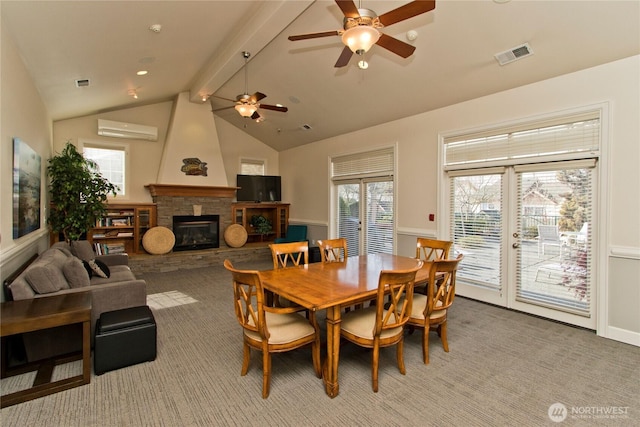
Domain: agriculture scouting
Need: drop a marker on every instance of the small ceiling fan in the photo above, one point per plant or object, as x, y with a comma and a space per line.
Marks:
361, 29
248, 105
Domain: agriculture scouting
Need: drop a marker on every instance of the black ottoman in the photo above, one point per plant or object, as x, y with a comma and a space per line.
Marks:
123, 338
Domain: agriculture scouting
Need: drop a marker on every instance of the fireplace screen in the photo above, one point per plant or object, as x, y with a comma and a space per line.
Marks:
196, 232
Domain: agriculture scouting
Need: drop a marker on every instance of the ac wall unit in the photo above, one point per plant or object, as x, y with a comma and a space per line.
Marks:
127, 130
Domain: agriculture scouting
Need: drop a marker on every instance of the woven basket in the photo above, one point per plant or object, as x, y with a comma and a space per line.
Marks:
158, 240
235, 235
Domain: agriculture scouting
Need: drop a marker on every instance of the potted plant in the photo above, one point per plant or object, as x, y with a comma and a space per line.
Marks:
78, 193
261, 225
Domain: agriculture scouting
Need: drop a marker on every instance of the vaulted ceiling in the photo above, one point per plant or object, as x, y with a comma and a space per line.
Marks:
199, 49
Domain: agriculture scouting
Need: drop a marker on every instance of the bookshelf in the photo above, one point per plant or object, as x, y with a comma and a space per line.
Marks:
122, 228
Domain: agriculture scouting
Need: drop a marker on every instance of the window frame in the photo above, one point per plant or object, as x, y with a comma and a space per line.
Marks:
115, 146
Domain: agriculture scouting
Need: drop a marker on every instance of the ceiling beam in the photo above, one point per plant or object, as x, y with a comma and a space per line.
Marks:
269, 19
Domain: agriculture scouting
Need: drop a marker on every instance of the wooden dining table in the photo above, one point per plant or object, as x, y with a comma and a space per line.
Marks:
333, 286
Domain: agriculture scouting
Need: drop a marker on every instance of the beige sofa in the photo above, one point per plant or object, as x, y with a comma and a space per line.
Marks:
65, 268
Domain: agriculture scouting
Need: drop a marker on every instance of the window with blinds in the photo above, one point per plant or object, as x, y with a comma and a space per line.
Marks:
565, 138
363, 165
557, 273
251, 167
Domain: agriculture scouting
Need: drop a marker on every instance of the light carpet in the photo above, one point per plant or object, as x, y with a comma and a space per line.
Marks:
504, 369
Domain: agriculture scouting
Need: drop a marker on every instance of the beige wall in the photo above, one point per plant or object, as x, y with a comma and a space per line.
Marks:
22, 115
417, 138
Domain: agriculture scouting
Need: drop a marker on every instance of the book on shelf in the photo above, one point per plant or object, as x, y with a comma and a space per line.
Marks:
125, 234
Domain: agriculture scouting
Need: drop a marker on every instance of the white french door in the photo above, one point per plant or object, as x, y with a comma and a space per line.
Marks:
525, 232
369, 226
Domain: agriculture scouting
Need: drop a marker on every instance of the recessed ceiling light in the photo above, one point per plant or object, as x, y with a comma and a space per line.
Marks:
142, 72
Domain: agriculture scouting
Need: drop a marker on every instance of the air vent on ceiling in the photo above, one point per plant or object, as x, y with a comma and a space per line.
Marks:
306, 127
82, 82
514, 54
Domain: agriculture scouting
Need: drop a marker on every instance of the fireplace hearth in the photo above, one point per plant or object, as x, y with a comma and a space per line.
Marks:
196, 232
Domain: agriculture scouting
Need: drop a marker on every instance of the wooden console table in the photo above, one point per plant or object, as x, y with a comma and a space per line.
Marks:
22, 316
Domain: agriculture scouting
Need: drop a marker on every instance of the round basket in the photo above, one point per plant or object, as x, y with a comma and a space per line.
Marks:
158, 240
235, 235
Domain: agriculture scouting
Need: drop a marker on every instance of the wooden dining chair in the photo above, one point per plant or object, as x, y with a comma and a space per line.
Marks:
269, 329
432, 249
429, 250
292, 254
382, 324
333, 250
429, 311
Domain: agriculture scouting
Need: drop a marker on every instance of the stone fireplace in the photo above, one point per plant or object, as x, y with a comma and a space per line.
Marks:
187, 200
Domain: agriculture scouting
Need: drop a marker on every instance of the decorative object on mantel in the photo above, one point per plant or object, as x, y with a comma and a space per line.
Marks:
194, 166
235, 236
158, 240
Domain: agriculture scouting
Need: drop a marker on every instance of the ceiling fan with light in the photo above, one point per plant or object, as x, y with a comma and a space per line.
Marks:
248, 105
361, 29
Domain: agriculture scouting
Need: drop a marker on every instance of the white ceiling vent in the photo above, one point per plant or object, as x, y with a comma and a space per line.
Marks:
514, 54
127, 130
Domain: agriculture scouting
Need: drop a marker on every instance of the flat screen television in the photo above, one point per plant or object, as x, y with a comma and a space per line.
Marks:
258, 188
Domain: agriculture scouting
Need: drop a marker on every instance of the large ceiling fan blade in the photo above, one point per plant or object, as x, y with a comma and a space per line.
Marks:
256, 97
348, 7
396, 46
407, 11
313, 35
274, 108
344, 58
255, 116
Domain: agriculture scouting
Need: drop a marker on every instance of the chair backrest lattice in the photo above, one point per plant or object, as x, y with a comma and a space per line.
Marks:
395, 297
248, 296
333, 250
432, 249
289, 254
442, 288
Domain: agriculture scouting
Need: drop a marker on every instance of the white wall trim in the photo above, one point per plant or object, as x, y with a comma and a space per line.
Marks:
622, 335
418, 232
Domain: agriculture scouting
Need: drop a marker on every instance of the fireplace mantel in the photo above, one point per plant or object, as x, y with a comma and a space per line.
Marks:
174, 190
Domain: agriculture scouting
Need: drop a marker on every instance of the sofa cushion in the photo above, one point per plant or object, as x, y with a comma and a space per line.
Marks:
75, 273
82, 249
45, 275
99, 268
119, 273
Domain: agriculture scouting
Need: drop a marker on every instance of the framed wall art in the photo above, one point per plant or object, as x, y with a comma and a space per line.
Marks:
27, 178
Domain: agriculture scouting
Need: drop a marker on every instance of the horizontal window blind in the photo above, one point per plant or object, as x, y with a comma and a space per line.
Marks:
362, 165
574, 136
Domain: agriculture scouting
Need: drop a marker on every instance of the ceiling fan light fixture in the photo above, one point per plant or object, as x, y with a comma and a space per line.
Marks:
360, 38
246, 110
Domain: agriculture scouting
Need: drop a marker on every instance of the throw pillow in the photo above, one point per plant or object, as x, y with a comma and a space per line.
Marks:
87, 267
82, 249
45, 278
75, 273
99, 268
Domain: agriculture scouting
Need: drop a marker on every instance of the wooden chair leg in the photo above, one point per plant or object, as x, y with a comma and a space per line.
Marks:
266, 373
315, 355
246, 358
425, 345
443, 336
400, 357
374, 368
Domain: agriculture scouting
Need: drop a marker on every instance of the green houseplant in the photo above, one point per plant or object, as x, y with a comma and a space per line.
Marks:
78, 193
261, 225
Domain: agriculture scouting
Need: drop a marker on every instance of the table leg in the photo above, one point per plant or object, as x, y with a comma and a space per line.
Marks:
330, 373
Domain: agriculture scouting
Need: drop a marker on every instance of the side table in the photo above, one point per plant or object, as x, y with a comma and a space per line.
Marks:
43, 313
